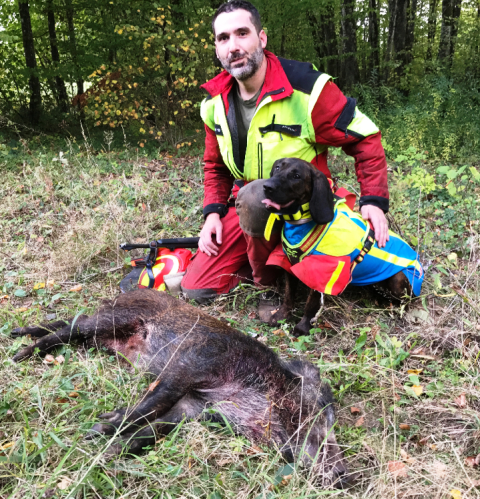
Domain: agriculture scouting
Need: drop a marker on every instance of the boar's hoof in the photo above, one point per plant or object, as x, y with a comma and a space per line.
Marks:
132, 443
113, 420
283, 313
24, 353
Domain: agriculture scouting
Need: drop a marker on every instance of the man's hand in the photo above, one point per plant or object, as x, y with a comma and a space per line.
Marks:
379, 222
213, 226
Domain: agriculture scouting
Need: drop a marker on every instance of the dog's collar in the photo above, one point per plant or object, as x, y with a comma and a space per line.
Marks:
294, 214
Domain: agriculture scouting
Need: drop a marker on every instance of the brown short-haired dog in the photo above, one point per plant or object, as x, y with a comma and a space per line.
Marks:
326, 245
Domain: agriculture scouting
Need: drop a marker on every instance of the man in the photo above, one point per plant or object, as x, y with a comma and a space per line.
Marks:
259, 109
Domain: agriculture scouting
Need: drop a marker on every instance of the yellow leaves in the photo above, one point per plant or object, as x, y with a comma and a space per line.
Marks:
50, 359
159, 134
145, 59
6, 446
415, 371
205, 46
135, 85
118, 112
142, 130
76, 288
21, 309
64, 483
456, 494
39, 285
417, 389
142, 144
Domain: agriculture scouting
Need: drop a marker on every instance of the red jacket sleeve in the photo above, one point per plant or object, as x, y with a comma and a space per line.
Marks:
218, 180
370, 161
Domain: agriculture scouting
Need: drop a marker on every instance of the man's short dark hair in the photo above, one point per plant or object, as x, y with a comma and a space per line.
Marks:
234, 5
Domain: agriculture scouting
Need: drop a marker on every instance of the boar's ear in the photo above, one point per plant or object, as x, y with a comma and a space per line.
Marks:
321, 202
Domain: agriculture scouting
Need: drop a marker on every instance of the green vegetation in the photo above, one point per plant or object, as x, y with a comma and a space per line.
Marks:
405, 379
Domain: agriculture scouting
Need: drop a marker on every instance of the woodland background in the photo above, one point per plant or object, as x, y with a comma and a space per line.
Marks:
413, 64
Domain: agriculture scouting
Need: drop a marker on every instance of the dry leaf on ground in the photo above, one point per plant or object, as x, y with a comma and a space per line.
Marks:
359, 421
456, 494
49, 359
76, 288
64, 483
355, 410
397, 469
417, 389
471, 461
461, 401
439, 469
404, 426
415, 371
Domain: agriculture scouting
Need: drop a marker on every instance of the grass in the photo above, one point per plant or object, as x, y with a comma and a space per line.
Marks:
406, 379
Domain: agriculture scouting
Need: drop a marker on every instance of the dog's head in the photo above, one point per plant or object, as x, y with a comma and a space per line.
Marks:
294, 182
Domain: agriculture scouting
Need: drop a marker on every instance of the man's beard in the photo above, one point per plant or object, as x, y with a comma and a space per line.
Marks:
249, 68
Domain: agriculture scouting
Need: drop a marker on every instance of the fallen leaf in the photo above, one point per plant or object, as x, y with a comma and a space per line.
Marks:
461, 401
153, 385
254, 449
50, 284
423, 441
60, 359
76, 288
64, 483
417, 389
355, 410
477, 459
456, 494
144, 206
360, 421
73, 395
452, 257
404, 426
397, 469
49, 359
4, 298
7, 446
221, 462
62, 400
252, 315
39, 285
471, 461
406, 457
286, 479
277, 331
415, 371
21, 309
433, 446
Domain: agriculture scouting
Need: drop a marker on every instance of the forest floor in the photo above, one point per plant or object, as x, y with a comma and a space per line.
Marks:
405, 379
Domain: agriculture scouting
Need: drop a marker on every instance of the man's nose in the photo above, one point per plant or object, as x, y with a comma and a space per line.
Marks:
233, 45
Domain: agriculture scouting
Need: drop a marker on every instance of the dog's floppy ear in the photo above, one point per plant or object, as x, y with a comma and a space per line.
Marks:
321, 202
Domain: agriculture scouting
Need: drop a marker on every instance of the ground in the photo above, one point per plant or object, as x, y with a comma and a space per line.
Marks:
405, 379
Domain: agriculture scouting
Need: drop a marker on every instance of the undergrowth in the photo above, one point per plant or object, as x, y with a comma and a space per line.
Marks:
405, 378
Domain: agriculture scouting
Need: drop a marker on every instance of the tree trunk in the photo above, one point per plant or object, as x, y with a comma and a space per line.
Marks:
410, 31
396, 35
432, 27
60, 90
317, 36
29, 49
73, 45
450, 15
350, 74
373, 38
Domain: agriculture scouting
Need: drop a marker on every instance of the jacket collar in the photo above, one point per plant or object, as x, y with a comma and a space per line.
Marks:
276, 83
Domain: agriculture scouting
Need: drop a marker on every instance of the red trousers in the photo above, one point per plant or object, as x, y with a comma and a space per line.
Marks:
240, 258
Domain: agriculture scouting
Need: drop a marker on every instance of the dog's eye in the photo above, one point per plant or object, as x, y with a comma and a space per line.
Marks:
277, 168
296, 176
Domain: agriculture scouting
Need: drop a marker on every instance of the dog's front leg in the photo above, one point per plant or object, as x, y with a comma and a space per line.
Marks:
311, 308
286, 307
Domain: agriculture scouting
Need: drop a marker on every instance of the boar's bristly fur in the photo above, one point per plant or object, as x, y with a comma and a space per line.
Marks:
200, 362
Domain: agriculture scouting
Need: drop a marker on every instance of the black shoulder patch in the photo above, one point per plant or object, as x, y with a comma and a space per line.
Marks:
301, 75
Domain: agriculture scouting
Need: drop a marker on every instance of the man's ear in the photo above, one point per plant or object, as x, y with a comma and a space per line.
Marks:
321, 202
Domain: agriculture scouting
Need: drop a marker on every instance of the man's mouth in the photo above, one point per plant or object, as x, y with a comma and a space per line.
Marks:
271, 204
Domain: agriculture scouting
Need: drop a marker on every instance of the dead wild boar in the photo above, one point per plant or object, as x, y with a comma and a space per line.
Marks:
200, 362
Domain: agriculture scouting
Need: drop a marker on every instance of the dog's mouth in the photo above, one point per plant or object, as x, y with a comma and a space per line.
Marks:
269, 204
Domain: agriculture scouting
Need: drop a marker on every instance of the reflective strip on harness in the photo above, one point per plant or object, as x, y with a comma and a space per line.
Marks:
334, 278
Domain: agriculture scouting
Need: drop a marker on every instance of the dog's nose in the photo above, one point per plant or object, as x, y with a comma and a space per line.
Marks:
268, 189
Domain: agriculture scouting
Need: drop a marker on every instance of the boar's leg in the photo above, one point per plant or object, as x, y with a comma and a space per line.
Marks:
311, 308
154, 404
188, 407
44, 328
84, 328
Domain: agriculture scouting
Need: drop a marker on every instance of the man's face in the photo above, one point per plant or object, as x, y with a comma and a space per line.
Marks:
239, 48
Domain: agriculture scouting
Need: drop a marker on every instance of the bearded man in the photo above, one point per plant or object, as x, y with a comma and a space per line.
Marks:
259, 109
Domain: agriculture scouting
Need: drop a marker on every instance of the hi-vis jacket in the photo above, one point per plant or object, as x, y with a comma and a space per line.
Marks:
329, 260
300, 112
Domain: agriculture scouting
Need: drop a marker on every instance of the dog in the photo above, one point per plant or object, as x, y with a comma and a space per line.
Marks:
328, 246
200, 362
